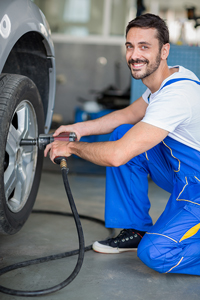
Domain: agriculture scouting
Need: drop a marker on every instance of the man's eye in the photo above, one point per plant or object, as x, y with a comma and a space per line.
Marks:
144, 47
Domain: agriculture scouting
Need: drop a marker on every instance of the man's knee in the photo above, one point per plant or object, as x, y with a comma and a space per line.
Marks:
158, 252
148, 253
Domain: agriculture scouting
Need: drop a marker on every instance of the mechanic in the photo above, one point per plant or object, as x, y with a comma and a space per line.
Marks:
164, 143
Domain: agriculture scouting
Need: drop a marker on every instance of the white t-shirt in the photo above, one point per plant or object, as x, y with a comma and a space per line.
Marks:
176, 108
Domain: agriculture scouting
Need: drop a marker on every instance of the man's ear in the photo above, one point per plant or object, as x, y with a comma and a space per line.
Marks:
165, 51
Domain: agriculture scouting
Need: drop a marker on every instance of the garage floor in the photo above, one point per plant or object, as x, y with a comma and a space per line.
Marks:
102, 277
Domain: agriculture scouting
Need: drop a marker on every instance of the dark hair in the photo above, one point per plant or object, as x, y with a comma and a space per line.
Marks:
151, 21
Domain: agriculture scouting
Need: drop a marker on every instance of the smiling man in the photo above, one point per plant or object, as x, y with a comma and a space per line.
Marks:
142, 68
164, 143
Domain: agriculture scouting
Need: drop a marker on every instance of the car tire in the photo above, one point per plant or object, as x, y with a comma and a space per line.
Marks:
21, 116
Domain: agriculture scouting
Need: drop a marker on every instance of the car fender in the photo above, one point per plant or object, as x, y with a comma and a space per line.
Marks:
16, 19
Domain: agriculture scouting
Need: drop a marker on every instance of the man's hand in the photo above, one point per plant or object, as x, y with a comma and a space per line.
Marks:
69, 128
57, 148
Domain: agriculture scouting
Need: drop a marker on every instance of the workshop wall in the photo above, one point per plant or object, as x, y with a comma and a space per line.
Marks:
82, 68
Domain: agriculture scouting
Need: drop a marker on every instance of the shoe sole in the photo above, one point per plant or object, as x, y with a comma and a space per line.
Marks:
97, 247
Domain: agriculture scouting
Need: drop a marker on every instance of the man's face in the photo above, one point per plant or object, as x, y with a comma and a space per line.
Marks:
143, 53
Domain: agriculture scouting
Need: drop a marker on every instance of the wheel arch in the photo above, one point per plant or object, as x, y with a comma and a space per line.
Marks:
27, 49
29, 57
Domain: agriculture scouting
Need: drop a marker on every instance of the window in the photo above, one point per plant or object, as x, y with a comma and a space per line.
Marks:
106, 20
88, 17
121, 13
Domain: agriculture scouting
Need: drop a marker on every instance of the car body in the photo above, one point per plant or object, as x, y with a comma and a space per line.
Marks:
27, 95
21, 21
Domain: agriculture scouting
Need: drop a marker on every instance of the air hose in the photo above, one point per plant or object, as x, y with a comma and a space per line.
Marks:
79, 251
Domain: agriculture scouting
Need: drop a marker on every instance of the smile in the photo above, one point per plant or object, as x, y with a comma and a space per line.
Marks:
137, 65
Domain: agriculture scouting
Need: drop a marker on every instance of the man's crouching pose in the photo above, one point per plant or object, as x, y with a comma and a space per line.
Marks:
164, 143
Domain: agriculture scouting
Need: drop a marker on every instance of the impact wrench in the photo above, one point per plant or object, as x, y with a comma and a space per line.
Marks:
45, 139
41, 142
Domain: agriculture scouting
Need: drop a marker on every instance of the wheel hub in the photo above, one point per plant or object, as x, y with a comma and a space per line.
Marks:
20, 162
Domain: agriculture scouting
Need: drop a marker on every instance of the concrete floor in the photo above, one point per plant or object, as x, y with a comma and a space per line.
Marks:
102, 277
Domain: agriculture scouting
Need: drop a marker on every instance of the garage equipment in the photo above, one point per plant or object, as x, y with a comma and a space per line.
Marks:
41, 142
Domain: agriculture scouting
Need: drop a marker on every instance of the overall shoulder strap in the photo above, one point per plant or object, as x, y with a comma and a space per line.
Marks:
178, 79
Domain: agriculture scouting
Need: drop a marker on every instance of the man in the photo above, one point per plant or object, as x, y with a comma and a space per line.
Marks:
164, 143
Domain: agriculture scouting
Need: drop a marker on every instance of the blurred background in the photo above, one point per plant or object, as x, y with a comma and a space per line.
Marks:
89, 36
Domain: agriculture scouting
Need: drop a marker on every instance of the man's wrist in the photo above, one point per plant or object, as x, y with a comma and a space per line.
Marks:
71, 149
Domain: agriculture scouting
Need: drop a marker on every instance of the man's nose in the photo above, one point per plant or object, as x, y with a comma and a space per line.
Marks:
134, 54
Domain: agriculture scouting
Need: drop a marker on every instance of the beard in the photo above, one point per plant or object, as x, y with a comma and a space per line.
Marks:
150, 67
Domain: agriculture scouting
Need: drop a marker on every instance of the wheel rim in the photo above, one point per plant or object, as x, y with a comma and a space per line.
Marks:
20, 161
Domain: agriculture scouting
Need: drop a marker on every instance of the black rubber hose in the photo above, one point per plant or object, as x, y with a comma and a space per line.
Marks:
79, 251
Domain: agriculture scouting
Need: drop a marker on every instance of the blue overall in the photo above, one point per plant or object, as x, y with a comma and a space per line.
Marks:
172, 244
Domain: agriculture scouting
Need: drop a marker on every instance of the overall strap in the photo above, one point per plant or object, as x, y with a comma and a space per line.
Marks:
178, 79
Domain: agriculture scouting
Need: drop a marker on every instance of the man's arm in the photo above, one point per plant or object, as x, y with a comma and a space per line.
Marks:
106, 124
137, 140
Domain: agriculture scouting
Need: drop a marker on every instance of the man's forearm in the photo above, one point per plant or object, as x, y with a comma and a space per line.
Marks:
132, 114
101, 153
102, 125
135, 141
106, 124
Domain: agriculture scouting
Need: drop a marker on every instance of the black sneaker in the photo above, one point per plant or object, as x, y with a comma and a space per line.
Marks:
127, 240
